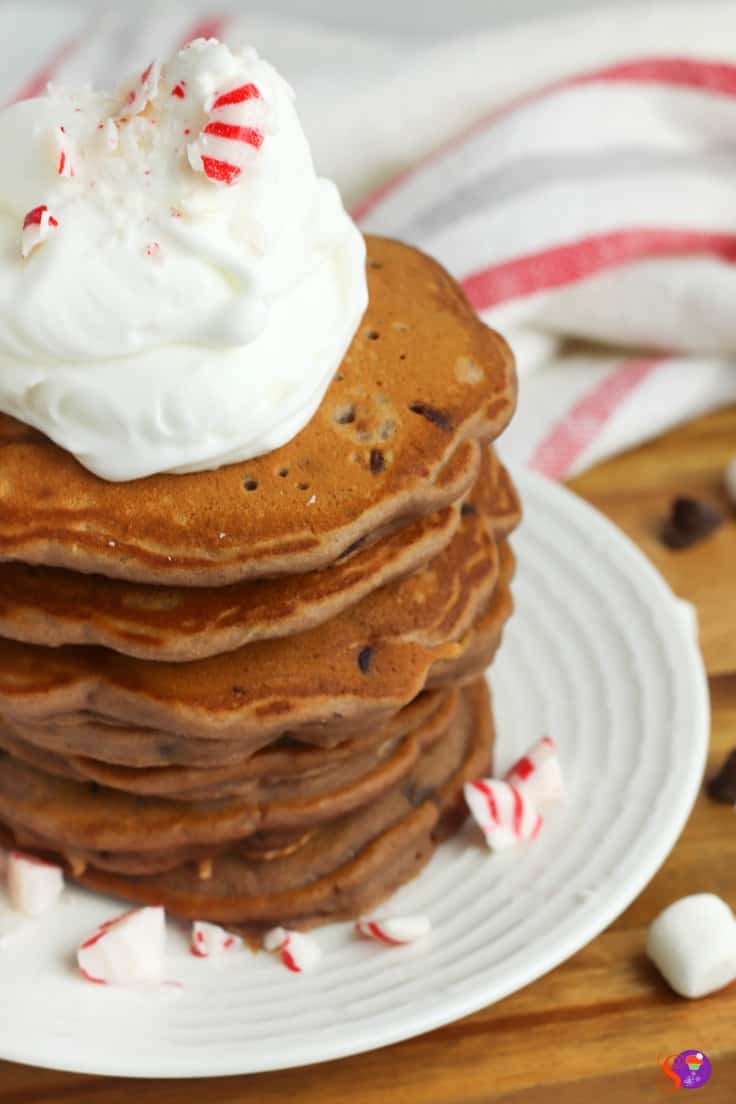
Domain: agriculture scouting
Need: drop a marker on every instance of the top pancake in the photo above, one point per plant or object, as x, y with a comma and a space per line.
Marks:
422, 376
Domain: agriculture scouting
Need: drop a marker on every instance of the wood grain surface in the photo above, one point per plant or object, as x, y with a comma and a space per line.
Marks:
591, 1030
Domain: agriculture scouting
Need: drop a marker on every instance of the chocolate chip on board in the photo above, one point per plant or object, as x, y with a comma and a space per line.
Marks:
690, 521
722, 786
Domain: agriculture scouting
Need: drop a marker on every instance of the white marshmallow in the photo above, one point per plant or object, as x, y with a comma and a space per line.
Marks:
729, 480
34, 885
210, 940
693, 944
128, 950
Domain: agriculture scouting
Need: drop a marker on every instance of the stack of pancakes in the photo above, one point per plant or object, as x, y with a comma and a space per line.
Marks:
253, 694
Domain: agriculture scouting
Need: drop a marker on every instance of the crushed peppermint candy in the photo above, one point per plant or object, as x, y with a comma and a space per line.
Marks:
37, 225
234, 132
127, 950
210, 940
143, 91
539, 772
298, 952
503, 812
394, 931
62, 149
510, 809
34, 884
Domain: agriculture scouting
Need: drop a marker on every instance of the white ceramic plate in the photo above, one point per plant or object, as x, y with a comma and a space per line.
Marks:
600, 656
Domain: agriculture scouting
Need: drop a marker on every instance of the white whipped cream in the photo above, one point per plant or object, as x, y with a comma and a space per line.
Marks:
163, 320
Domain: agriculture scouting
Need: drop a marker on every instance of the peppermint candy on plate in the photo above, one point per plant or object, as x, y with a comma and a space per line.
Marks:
210, 940
298, 952
37, 225
34, 885
237, 120
505, 813
394, 931
127, 950
540, 773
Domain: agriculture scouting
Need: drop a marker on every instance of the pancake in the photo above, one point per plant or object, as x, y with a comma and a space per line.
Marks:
338, 870
422, 376
81, 817
363, 665
88, 736
284, 766
506, 509
51, 606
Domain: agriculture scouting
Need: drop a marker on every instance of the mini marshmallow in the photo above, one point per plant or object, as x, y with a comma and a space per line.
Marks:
297, 951
210, 940
34, 885
394, 931
693, 944
128, 950
504, 813
539, 772
729, 480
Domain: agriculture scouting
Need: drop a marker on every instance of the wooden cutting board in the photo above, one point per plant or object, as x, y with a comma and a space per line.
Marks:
592, 1030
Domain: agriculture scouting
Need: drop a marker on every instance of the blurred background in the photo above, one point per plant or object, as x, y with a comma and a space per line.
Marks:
411, 18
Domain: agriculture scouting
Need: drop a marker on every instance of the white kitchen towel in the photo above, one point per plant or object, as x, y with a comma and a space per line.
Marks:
578, 176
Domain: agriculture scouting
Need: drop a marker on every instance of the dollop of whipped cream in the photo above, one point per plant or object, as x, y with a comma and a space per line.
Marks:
177, 286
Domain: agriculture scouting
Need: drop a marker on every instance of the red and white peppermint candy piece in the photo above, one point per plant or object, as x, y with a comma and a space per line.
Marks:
128, 950
37, 225
236, 125
394, 931
210, 940
297, 951
63, 154
539, 772
137, 98
504, 813
34, 885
